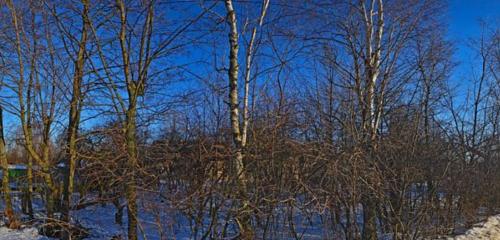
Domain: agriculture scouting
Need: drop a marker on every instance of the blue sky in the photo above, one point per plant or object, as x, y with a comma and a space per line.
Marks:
463, 20
464, 17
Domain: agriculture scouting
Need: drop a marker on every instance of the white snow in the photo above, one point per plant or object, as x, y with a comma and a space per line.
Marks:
157, 222
21, 234
487, 230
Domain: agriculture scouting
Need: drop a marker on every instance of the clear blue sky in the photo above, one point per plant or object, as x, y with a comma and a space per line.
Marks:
463, 20
464, 17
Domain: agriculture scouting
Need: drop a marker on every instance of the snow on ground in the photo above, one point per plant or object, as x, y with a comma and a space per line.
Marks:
157, 222
22, 234
487, 230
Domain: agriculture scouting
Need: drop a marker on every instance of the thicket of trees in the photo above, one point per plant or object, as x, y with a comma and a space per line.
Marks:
250, 119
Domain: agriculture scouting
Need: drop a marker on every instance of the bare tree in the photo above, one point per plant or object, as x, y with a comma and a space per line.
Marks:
240, 133
47, 106
75, 112
9, 211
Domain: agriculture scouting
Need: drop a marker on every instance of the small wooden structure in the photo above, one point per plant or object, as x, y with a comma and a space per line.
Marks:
18, 174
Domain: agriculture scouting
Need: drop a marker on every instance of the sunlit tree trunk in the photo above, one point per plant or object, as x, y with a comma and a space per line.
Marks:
9, 212
240, 132
371, 115
74, 114
29, 189
24, 114
243, 221
135, 88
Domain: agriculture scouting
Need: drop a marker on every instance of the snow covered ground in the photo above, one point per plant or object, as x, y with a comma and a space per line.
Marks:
23, 234
157, 222
487, 230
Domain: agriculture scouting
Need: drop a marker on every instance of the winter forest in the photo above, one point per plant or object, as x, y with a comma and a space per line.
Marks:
246, 119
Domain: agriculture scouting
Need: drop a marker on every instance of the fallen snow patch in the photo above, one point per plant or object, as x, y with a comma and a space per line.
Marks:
21, 234
488, 230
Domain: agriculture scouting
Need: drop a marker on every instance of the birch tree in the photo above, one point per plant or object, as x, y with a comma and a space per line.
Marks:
240, 130
369, 41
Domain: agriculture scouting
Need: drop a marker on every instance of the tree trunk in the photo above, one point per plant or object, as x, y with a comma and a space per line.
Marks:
369, 220
243, 219
29, 189
9, 212
25, 116
135, 88
74, 116
131, 191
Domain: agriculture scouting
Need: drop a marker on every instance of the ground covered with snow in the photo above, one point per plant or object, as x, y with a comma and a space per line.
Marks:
104, 229
162, 223
490, 229
22, 234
